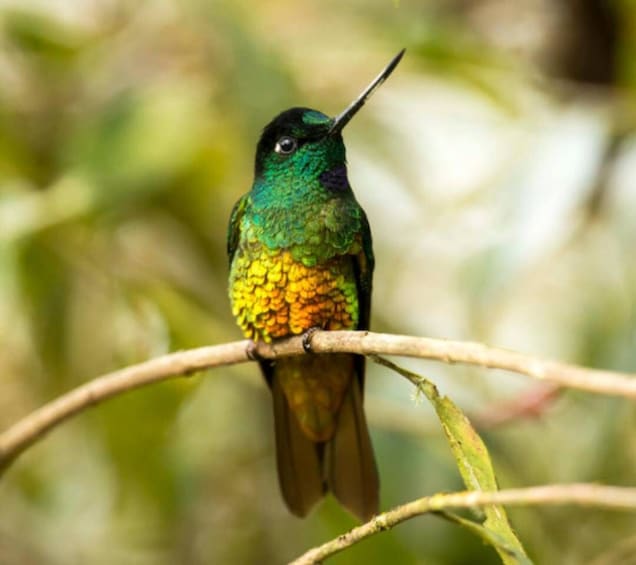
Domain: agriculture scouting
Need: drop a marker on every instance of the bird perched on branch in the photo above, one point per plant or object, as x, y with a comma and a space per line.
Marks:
301, 258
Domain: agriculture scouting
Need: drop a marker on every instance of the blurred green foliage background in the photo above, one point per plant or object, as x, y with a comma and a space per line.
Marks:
498, 170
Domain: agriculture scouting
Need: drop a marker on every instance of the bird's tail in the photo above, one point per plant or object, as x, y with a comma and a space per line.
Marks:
344, 463
352, 474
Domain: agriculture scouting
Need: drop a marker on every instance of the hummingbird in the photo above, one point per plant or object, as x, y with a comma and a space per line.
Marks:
301, 259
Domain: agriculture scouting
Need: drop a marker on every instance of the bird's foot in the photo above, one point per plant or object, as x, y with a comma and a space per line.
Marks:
307, 336
252, 352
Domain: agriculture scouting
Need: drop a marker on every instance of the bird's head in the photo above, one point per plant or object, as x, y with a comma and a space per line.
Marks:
305, 144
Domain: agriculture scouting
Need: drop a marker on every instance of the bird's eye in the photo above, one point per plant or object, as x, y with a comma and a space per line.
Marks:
286, 145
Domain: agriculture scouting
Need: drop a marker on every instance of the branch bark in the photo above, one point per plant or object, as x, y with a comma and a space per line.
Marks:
34, 426
582, 494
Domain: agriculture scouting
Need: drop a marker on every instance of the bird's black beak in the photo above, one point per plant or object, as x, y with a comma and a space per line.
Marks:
341, 120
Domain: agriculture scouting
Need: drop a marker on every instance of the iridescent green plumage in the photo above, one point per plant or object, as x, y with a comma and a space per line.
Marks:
301, 257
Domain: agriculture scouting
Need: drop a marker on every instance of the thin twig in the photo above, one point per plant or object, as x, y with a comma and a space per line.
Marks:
35, 425
32, 427
582, 494
531, 404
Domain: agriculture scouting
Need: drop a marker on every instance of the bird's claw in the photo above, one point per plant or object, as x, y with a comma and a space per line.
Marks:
307, 336
252, 352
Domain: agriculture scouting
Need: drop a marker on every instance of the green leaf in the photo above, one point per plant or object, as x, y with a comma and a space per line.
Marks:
503, 546
473, 462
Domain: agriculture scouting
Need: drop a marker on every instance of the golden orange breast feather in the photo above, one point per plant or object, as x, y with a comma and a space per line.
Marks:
274, 296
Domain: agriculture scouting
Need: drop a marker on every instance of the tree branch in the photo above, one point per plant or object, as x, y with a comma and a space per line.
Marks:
32, 427
582, 494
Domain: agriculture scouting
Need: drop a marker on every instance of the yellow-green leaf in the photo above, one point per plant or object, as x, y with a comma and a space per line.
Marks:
473, 462
488, 535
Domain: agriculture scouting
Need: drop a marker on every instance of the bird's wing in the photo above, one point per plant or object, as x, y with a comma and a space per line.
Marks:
363, 266
233, 231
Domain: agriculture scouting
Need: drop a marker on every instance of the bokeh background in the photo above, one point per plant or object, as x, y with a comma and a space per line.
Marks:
498, 170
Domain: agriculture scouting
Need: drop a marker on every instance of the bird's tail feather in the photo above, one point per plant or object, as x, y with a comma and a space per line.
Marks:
298, 460
352, 474
345, 464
